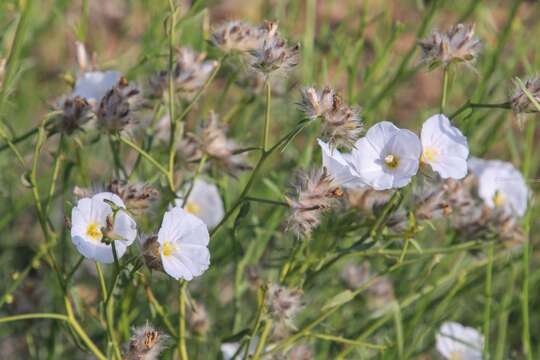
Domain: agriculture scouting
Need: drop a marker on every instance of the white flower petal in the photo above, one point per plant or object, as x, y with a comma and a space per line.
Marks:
447, 145
338, 165
205, 203
93, 212
454, 339
183, 240
94, 85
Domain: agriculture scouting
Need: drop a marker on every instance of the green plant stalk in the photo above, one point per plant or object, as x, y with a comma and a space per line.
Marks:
262, 340
488, 295
145, 155
267, 118
171, 94
258, 319
195, 176
444, 89
254, 173
411, 299
182, 349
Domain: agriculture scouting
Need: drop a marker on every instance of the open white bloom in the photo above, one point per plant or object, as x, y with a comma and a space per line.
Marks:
387, 157
91, 218
455, 341
339, 167
204, 202
444, 147
501, 185
183, 244
94, 85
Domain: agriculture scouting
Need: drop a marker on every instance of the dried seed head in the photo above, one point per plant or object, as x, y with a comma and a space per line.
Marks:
274, 56
212, 140
283, 303
76, 112
315, 194
151, 254
457, 45
381, 292
341, 124
198, 319
146, 343
316, 103
190, 73
117, 106
368, 200
355, 275
138, 197
520, 101
239, 36
300, 352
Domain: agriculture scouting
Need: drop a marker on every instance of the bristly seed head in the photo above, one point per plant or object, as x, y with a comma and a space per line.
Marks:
457, 45
138, 197
342, 125
76, 112
146, 343
274, 56
283, 303
239, 36
315, 194
190, 73
116, 109
521, 103
198, 318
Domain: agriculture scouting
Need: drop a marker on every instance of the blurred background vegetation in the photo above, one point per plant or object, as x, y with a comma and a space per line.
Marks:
367, 51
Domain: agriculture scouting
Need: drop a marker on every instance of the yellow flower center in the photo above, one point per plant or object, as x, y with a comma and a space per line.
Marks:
94, 232
192, 208
456, 355
499, 199
167, 248
391, 161
429, 154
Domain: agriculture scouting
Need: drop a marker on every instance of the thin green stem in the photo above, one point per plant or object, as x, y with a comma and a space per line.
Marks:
267, 118
145, 155
262, 340
488, 295
182, 349
444, 89
34, 316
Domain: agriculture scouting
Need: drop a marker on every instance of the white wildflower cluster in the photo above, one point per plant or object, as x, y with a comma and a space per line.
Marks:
102, 230
492, 197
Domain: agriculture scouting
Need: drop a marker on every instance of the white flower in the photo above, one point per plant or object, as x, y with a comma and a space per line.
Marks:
228, 350
94, 85
339, 167
455, 341
205, 203
89, 220
183, 244
444, 147
500, 185
387, 157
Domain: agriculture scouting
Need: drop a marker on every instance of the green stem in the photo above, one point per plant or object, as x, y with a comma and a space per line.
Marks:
488, 294
267, 118
145, 155
262, 340
182, 350
34, 316
444, 89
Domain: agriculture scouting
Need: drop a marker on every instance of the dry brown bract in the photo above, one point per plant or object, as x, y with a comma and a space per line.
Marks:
520, 102
457, 45
146, 343
240, 36
116, 109
75, 113
315, 194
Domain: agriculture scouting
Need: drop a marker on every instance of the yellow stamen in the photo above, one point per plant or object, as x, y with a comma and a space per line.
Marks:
429, 154
192, 208
455, 356
499, 199
391, 161
167, 248
94, 232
